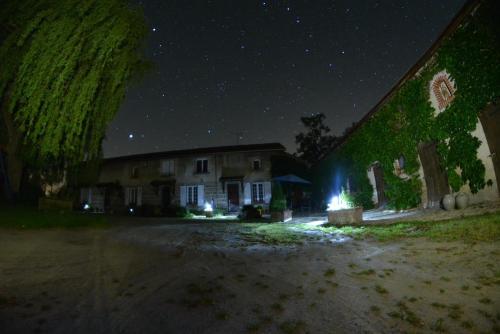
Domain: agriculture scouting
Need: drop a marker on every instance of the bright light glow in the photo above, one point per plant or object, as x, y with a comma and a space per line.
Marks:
337, 203
131, 210
208, 207
86, 206
316, 222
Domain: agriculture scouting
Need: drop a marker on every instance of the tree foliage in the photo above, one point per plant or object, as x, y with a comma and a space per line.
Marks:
316, 142
66, 65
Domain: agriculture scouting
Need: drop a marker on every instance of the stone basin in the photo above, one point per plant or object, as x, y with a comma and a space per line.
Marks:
352, 216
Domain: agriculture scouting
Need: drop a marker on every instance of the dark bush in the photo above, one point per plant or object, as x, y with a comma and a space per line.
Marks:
251, 212
175, 211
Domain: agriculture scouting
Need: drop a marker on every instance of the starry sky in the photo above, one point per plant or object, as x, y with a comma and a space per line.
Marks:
232, 72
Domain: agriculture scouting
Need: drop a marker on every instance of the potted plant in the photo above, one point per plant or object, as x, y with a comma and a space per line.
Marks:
278, 209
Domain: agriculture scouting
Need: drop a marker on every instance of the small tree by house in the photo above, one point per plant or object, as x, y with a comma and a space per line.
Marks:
278, 199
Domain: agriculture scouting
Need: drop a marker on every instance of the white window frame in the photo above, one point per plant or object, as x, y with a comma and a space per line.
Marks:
258, 192
167, 167
204, 166
192, 195
133, 196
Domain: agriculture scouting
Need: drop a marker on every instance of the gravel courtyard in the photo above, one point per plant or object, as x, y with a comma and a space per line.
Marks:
153, 276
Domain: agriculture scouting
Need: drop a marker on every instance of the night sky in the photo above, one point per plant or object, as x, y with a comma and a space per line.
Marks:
244, 72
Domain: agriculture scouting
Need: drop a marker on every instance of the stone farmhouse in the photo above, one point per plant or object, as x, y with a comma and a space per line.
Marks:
446, 74
227, 177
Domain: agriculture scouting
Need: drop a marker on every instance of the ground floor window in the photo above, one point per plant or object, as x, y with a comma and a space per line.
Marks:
133, 196
257, 192
192, 194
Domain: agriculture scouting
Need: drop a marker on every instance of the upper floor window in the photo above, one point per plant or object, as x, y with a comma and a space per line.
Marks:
256, 164
202, 166
167, 167
257, 193
134, 172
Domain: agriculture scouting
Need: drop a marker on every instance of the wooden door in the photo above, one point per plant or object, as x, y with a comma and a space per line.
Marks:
378, 172
490, 119
233, 196
435, 176
166, 196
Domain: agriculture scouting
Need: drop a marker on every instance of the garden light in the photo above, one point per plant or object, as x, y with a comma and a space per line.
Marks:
208, 207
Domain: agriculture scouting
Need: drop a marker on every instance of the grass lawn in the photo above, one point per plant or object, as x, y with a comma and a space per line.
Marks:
469, 229
32, 218
273, 233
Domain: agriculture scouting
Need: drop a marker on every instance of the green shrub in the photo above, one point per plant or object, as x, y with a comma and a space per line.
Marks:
278, 200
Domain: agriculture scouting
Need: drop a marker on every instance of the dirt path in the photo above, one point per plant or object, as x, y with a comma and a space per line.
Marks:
191, 279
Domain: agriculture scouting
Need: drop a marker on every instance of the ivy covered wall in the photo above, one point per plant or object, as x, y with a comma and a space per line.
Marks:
471, 55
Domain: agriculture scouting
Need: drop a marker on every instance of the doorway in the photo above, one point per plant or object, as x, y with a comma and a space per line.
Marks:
378, 173
435, 176
490, 119
166, 196
233, 197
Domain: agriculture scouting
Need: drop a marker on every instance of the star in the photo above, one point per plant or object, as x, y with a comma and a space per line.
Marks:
217, 77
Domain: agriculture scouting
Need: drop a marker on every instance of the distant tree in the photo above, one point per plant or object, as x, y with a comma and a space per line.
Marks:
316, 142
66, 65
349, 129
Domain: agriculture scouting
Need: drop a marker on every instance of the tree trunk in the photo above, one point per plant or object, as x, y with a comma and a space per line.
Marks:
14, 162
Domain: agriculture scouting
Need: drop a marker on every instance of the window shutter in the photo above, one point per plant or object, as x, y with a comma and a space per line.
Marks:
183, 196
247, 194
201, 195
139, 196
267, 192
127, 196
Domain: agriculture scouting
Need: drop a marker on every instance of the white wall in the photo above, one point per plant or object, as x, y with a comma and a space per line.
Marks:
483, 153
421, 176
371, 178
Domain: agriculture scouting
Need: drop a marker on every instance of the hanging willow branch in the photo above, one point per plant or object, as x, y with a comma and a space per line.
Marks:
68, 65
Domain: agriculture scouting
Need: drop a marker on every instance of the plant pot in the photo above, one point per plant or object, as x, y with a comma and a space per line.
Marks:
462, 200
449, 202
281, 216
209, 214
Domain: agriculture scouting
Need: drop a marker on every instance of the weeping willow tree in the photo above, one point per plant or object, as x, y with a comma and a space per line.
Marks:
65, 67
